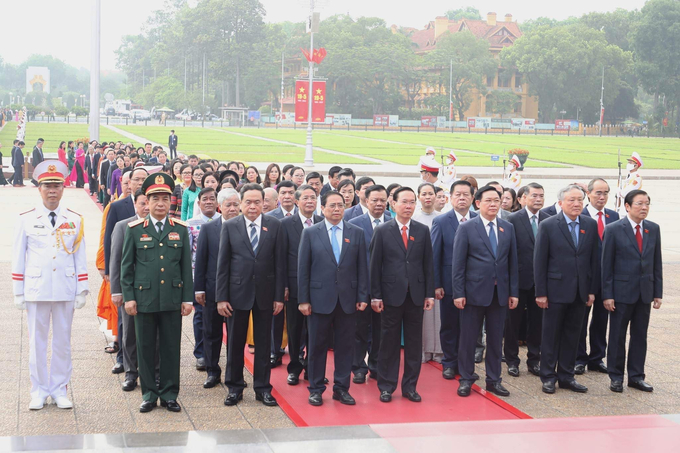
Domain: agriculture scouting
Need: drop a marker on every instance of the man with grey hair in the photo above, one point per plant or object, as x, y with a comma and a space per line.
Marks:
566, 279
204, 282
270, 200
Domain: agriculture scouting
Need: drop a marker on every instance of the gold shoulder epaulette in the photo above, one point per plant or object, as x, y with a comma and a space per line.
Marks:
69, 209
178, 222
134, 223
30, 210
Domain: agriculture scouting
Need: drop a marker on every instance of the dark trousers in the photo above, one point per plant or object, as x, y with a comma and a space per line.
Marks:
341, 326
559, 341
198, 330
94, 186
212, 338
410, 316
366, 340
278, 322
637, 316
598, 334
164, 328
449, 333
237, 330
471, 319
513, 325
18, 176
294, 322
173, 152
119, 354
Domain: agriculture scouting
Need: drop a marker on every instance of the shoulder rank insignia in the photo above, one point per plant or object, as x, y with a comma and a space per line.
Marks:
174, 221
30, 210
134, 223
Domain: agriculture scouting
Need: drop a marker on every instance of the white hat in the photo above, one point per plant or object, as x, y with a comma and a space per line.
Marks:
635, 157
430, 150
452, 156
515, 160
49, 171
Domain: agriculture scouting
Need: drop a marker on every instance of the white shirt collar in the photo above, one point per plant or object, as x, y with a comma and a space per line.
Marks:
329, 225
373, 219
531, 214
633, 224
303, 219
257, 222
47, 211
486, 222
364, 209
593, 212
154, 220
558, 208
460, 217
284, 211
400, 225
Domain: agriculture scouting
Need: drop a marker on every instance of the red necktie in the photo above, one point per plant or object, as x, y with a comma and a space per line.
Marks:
404, 237
288, 214
600, 225
638, 236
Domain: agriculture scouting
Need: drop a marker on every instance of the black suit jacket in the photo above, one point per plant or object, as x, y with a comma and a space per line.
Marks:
38, 156
444, 229
550, 210
525, 245
119, 210
394, 270
245, 278
562, 272
292, 230
627, 274
476, 269
322, 281
17, 157
354, 211
207, 249
103, 175
172, 141
326, 188
364, 222
278, 213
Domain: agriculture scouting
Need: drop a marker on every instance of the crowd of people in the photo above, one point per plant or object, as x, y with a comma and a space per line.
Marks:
294, 261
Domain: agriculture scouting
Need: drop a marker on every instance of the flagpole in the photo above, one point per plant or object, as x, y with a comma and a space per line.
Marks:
309, 150
282, 89
451, 95
602, 103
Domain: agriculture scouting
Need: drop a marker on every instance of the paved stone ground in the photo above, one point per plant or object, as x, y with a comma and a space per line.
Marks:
102, 407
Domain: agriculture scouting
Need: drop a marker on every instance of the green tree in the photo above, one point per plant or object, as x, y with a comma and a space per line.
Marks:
501, 102
469, 12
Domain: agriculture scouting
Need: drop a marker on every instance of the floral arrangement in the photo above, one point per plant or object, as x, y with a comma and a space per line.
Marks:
518, 152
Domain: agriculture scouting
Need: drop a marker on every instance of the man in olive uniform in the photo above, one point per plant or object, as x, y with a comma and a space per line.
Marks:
158, 289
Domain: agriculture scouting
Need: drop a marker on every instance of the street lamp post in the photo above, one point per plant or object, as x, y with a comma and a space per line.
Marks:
94, 70
309, 149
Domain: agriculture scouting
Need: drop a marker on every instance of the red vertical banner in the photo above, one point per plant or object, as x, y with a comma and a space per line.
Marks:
318, 98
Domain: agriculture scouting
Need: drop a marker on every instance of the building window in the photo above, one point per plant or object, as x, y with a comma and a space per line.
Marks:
504, 78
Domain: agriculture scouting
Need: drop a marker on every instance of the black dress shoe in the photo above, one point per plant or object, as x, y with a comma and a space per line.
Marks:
385, 396
464, 388
548, 387
200, 364
315, 399
641, 385
373, 375
129, 385
266, 398
616, 386
534, 369
413, 396
359, 378
211, 382
479, 356
579, 369
449, 373
147, 406
305, 376
275, 361
598, 367
232, 399
293, 379
344, 397
497, 388
513, 371
475, 376
118, 368
573, 386
171, 405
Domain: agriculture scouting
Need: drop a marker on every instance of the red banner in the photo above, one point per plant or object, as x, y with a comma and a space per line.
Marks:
381, 120
318, 98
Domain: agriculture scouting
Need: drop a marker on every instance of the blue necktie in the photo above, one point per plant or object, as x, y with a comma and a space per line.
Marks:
253, 236
574, 236
335, 244
492, 238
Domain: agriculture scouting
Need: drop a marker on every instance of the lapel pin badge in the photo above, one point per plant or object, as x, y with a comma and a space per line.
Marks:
347, 240
412, 238
646, 231
264, 229
606, 215
583, 231
501, 229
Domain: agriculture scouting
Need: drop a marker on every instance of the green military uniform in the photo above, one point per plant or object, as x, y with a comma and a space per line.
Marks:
156, 273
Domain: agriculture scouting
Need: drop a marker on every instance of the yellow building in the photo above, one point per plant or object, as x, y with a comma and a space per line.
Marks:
499, 35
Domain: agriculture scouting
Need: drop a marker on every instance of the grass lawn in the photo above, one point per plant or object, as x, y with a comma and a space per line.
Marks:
227, 146
54, 133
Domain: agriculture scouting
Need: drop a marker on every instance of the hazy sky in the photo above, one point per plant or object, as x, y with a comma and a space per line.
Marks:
61, 28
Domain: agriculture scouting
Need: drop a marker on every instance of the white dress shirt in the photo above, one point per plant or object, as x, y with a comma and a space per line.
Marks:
495, 225
633, 225
303, 219
258, 226
408, 226
373, 219
154, 221
461, 217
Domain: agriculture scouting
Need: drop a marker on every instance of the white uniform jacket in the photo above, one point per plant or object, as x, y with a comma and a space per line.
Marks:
45, 268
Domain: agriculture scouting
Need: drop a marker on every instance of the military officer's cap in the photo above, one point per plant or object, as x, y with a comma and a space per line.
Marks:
515, 161
635, 157
50, 171
158, 183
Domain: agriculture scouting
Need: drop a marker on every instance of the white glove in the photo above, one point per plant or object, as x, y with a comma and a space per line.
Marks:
20, 302
80, 301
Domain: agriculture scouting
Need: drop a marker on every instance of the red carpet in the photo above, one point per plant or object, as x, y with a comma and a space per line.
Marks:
440, 401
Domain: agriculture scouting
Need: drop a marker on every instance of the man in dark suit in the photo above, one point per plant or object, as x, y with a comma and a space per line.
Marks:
360, 209
402, 286
565, 274
526, 222
332, 286
287, 208
205, 272
485, 284
293, 227
37, 157
104, 181
368, 321
444, 229
91, 165
333, 180
598, 194
18, 162
250, 279
632, 281
172, 144
552, 210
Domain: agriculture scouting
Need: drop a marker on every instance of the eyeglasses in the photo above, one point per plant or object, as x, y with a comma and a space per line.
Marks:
641, 203
335, 206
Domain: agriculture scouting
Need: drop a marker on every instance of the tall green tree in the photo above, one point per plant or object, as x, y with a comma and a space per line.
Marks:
469, 12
